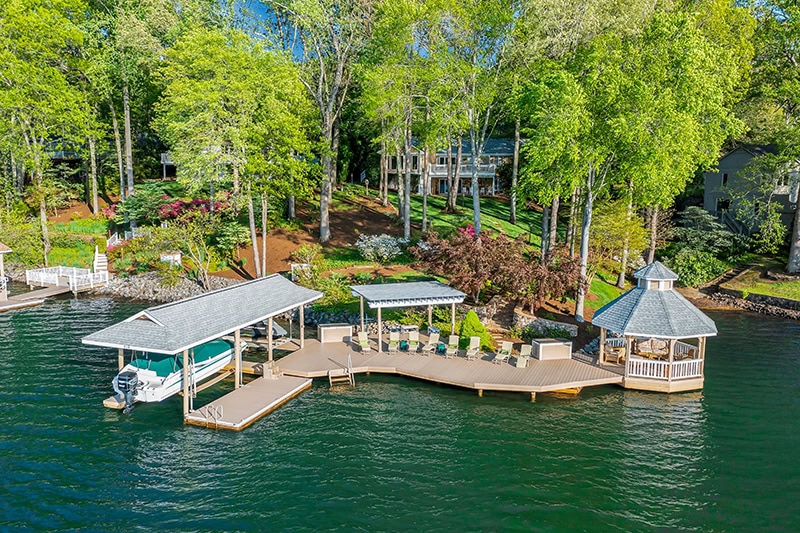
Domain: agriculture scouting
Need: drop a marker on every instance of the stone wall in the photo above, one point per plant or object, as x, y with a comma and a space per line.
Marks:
758, 304
540, 326
148, 287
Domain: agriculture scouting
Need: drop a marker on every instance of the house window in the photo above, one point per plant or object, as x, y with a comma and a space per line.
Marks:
723, 204
394, 163
724, 179
414, 163
441, 160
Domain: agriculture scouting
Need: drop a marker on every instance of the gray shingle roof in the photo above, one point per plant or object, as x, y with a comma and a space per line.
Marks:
654, 313
177, 326
410, 294
655, 270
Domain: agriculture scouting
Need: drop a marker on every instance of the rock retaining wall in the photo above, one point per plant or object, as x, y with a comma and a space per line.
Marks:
148, 287
541, 326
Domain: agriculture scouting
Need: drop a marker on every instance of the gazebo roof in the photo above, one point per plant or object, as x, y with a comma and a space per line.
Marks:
664, 314
656, 271
4, 249
178, 326
408, 294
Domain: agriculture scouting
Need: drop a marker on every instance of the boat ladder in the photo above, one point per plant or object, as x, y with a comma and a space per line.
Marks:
215, 413
342, 376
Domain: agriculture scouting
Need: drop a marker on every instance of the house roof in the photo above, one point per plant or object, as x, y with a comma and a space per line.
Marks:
656, 271
181, 325
665, 314
4, 249
753, 149
410, 294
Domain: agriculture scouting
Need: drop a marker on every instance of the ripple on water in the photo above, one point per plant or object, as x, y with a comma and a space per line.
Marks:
394, 453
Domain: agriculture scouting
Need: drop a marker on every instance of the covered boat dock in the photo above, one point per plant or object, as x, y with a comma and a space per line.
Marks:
179, 327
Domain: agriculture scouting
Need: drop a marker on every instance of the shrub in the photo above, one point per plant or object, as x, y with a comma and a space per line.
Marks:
380, 248
364, 278
696, 267
472, 327
336, 288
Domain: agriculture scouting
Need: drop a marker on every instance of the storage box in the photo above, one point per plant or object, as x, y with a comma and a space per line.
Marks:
549, 349
334, 332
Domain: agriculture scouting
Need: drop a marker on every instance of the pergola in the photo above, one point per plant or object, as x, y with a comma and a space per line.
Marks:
656, 317
407, 294
180, 326
3, 288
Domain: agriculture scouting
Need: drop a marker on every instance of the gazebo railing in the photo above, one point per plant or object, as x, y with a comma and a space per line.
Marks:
645, 368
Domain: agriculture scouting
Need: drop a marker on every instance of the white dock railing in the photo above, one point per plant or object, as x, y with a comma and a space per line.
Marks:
645, 368
87, 280
113, 240
61, 276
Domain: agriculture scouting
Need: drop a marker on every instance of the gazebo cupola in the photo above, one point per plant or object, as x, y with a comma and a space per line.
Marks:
648, 324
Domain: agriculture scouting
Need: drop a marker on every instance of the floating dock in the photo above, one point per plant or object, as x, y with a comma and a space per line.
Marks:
32, 298
243, 406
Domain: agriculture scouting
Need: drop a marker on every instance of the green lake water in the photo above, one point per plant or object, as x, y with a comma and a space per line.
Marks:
397, 454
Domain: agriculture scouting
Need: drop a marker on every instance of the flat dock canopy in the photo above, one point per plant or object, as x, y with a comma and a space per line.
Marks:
315, 359
240, 408
178, 326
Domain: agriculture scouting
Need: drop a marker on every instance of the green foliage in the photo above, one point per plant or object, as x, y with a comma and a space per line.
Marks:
612, 229
472, 327
336, 288
23, 235
143, 206
700, 231
83, 226
695, 267
771, 233
229, 236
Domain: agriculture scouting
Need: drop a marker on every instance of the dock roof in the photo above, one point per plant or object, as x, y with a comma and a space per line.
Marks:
4, 249
408, 294
174, 327
665, 314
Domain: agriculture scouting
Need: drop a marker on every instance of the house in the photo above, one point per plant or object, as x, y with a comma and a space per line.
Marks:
496, 153
729, 175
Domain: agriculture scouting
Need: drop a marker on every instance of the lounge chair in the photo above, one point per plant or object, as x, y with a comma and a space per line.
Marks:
433, 344
503, 353
413, 341
452, 347
394, 341
363, 341
474, 349
524, 357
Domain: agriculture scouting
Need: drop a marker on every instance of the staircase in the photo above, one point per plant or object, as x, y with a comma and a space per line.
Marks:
500, 322
100, 261
729, 275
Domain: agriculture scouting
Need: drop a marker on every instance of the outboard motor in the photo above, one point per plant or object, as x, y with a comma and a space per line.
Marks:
127, 383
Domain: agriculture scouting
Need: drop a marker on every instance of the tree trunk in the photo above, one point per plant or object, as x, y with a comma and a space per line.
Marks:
128, 140
400, 185
545, 231
449, 204
407, 185
452, 197
290, 209
552, 238
235, 179
793, 265
584, 255
93, 173
253, 235
328, 162
514, 173
118, 144
573, 213
335, 154
264, 215
476, 191
626, 243
426, 178
43, 222
651, 253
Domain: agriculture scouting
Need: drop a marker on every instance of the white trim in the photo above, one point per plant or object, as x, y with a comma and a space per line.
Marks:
414, 302
651, 336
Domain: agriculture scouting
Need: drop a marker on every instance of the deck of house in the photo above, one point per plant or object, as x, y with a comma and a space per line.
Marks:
316, 359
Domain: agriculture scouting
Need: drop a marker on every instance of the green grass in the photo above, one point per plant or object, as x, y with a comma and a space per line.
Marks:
752, 282
75, 256
604, 291
82, 226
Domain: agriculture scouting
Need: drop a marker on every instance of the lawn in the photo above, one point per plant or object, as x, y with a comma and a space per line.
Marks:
82, 226
752, 282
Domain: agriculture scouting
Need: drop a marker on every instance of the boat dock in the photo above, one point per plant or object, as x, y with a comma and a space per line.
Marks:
243, 406
32, 298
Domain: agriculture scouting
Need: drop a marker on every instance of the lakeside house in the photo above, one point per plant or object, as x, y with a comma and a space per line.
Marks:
497, 152
730, 176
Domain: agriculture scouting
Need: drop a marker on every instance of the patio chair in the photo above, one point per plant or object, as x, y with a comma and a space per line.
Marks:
474, 349
524, 357
503, 353
452, 347
394, 341
433, 343
413, 341
363, 341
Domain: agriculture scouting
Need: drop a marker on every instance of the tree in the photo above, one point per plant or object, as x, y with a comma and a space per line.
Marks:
326, 37
41, 100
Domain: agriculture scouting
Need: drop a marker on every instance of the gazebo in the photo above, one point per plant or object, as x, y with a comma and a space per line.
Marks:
407, 294
649, 323
3, 288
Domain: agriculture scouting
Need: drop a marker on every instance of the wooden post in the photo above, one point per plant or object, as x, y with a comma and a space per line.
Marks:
670, 357
302, 327
601, 355
4, 292
430, 317
361, 300
290, 325
701, 349
480, 393
453, 318
380, 332
628, 353
237, 359
185, 383
121, 358
269, 339
533, 397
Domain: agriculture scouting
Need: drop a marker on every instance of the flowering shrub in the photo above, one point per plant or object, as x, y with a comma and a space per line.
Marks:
178, 208
109, 212
380, 248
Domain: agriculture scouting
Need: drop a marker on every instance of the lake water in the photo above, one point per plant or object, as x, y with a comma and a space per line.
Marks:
397, 454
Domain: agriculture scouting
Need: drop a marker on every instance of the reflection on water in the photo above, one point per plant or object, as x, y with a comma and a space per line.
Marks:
396, 453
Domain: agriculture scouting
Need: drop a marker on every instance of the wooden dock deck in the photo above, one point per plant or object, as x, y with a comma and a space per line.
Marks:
315, 359
241, 407
31, 298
